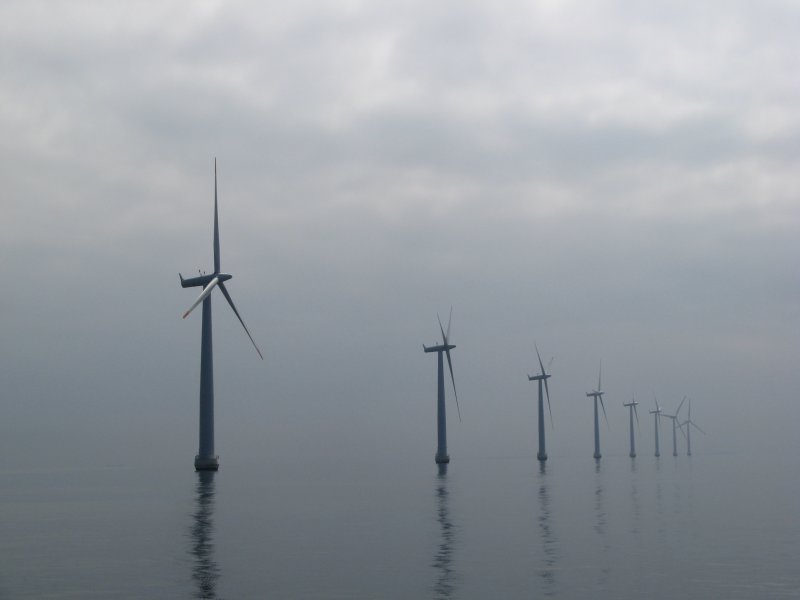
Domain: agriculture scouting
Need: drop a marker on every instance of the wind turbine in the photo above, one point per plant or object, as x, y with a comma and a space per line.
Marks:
675, 427
206, 460
657, 413
598, 394
689, 424
632, 411
441, 415
542, 378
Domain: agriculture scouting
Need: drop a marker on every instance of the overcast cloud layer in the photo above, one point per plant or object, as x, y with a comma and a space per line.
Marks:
613, 182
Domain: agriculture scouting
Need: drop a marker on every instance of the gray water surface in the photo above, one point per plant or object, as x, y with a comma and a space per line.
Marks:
689, 527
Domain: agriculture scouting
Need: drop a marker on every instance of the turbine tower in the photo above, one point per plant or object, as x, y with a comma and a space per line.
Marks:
657, 413
598, 394
206, 460
542, 378
675, 427
689, 424
441, 415
632, 411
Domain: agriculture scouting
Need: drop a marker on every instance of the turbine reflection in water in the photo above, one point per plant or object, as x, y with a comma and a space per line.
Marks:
636, 507
446, 577
549, 548
600, 525
205, 571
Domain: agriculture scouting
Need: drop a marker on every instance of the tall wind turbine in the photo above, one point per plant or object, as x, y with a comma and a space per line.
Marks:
598, 395
657, 413
689, 424
441, 415
632, 411
206, 460
542, 378
675, 427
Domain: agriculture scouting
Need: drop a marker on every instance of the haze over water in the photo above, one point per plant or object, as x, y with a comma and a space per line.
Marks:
611, 181
482, 527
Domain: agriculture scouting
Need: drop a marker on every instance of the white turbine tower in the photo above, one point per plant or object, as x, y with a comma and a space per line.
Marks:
689, 424
598, 395
657, 413
441, 414
206, 458
542, 378
632, 411
675, 427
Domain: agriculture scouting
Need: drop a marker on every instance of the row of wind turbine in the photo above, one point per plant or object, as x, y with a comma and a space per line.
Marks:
207, 460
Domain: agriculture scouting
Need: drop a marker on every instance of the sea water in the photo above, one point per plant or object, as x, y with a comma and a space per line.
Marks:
713, 526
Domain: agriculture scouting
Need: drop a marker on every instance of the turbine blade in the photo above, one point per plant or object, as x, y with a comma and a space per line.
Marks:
547, 391
680, 405
202, 296
444, 336
636, 414
236, 312
453, 379
449, 321
216, 222
696, 427
600, 377
683, 433
603, 406
539, 356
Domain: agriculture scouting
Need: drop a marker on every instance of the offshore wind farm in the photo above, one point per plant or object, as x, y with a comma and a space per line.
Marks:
582, 181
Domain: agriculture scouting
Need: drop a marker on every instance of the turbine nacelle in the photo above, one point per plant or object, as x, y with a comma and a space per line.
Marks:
203, 280
538, 377
632, 406
439, 348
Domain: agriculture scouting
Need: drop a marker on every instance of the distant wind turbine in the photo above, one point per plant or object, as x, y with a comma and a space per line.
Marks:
542, 378
632, 411
689, 424
657, 413
206, 460
675, 427
441, 450
598, 395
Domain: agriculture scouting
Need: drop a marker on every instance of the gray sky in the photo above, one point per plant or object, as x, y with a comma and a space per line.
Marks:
614, 182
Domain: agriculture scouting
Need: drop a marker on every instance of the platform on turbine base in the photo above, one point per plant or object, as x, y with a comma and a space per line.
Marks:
541, 456
206, 463
598, 456
442, 460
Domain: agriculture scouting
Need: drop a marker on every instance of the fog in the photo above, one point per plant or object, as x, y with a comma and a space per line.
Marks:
610, 183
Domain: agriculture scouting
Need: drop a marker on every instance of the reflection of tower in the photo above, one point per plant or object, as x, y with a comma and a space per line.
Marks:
444, 586
660, 529
637, 509
549, 549
600, 526
205, 571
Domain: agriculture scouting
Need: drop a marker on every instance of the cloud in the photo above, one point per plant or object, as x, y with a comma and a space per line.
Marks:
610, 180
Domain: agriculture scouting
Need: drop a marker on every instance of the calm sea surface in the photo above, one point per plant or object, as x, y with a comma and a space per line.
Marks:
687, 527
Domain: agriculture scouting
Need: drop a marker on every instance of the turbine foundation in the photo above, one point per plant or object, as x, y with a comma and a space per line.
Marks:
206, 463
442, 459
